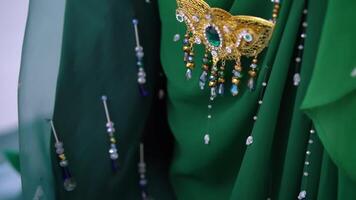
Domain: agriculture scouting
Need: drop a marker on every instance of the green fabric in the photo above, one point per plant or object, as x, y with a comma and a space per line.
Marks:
273, 165
37, 84
97, 57
13, 158
331, 97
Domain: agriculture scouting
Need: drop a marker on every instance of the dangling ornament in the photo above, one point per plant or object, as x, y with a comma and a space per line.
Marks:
225, 37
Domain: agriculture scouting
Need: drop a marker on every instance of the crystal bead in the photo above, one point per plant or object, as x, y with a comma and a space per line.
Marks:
63, 163
141, 80
114, 156
135, 21
302, 195
140, 54
188, 74
234, 90
110, 130
112, 150
59, 151
251, 84
202, 79
249, 140
138, 48
305, 174
69, 184
110, 124
58, 145
253, 65
221, 89
176, 37
206, 139
312, 131
213, 92
296, 79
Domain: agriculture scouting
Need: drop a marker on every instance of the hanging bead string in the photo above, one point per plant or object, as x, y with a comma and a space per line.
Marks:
142, 173
111, 130
141, 74
188, 55
209, 117
205, 69
275, 10
303, 193
300, 48
69, 183
249, 139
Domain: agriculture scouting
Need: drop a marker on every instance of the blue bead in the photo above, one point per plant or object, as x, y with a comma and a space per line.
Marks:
234, 90
135, 21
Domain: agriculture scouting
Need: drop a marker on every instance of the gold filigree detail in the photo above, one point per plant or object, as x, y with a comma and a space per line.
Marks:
238, 35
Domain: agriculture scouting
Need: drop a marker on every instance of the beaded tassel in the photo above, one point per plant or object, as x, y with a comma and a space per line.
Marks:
253, 73
188, 56
111, 130
141, 74
213, 78
204, 75
275, 10
221, 79
236, 75
142, 174
299, 50
69, 183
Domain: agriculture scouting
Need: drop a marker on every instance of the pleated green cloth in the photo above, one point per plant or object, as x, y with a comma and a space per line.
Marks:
64, 76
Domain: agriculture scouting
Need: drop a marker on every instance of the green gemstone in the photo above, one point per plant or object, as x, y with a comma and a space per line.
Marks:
212, 36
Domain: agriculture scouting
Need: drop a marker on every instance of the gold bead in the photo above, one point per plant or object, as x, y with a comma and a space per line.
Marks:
190, 65
274, 15
254, 60
205, 67
252, 73
238, 68
235, 81
186, 48
212, 83
276, 6
62, 156
221, 80
112, 140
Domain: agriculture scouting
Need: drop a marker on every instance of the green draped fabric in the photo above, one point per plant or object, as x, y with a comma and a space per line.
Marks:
97, 57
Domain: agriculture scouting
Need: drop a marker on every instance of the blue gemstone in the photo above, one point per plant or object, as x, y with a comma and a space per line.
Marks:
234, 90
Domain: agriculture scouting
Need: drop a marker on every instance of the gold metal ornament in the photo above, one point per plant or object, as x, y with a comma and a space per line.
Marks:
225, 37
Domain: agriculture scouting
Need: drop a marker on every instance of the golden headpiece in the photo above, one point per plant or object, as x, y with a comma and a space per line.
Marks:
225, 37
